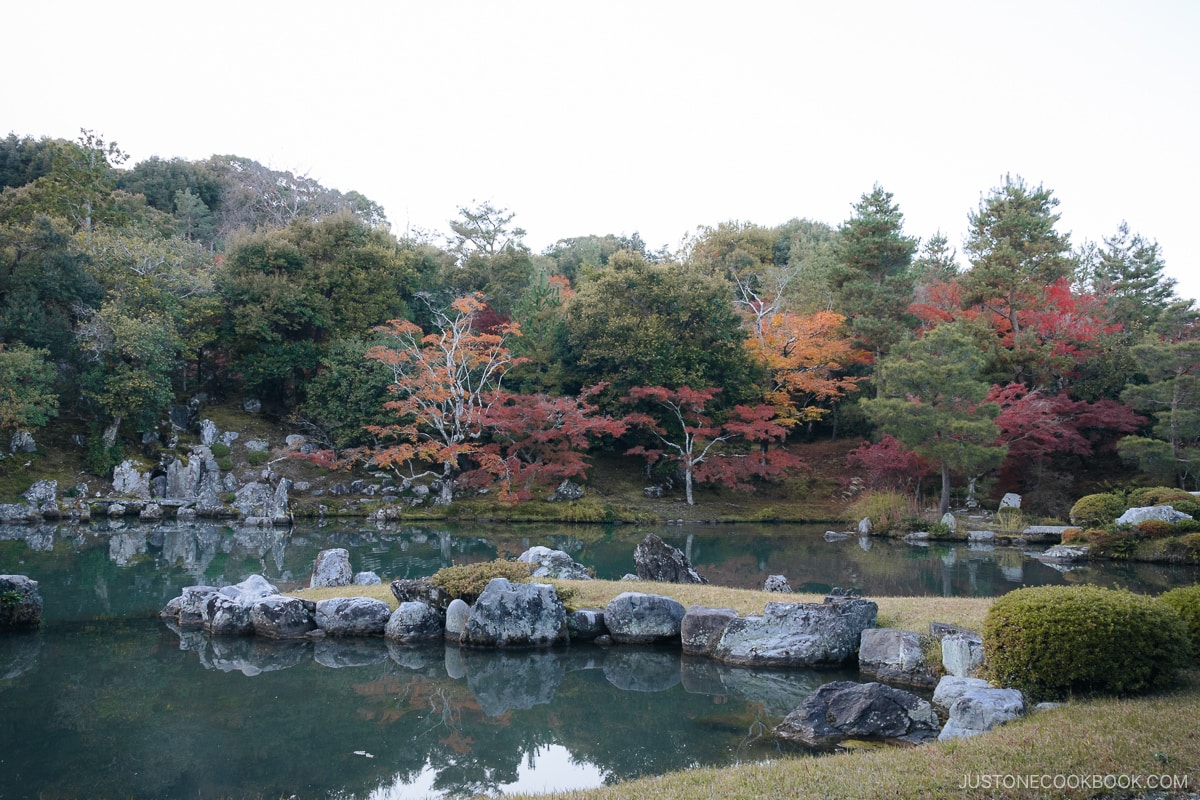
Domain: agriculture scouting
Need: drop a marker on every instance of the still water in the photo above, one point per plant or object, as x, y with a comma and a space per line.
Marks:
106, 701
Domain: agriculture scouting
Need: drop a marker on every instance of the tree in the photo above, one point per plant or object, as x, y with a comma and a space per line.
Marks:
932, 400
541, 313
888, 464
1014, 251
483, 228
1172, 398
538, 440
443, 384
27, 396
873, 278
1128, 273
680, 421
637, 323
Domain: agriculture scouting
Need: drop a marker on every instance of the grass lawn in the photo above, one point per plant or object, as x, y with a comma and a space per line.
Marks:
1117, 739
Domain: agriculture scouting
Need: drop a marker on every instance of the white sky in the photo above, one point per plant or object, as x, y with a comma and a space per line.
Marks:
655, 117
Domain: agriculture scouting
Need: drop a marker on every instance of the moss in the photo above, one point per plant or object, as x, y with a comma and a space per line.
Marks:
467, 581
1058, 641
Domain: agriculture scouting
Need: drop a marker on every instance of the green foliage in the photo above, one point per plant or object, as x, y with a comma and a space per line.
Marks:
27, 397
258, 457
225, 464
100, 458
10, 598
1186, 602
1184, 526
1172, 398
220, 449
1158, 496
1155, 529
1189, 507
346, 395
467, 581
1011, 520
938, 530
887, 510
1059, 641
1095, 510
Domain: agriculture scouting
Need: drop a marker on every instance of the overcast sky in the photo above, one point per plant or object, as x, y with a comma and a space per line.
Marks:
654, 117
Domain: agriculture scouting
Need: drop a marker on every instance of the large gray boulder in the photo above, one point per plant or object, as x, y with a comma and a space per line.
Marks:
655, 560
352, 616
1133, 516
424, 591
962, 654
980, 710
554, 564
952, 687
332, 568
226, 616
701, 628
253, 588
777, 583
129, 481
259, 502
516, 615
414, 622
638, 618
282, 617
895, 656
586, 624
456, 618
20, 603
22, 442
193, 606
848, 710
798, 634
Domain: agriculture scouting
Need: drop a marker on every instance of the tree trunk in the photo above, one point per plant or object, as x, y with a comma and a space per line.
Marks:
944, 506
687, 483
447, 496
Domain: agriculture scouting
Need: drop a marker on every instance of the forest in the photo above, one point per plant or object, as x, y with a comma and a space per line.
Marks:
126, 290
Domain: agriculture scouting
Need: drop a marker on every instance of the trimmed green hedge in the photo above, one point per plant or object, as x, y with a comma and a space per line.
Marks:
1186, 602
1053, 642
467, 581
1096, 510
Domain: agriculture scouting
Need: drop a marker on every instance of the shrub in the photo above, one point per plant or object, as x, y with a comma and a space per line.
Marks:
1190, 507
887, 510
1097, 509
1155, 528
225, 464
219, 450
939, 530
1186, 602
257, 457
1076, 536
467, 581
1187, 526
1157, 496
1056, 641
1010, 520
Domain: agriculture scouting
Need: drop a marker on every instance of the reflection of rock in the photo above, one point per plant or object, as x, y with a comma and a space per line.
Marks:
123, 547
798, 634
251, 656
337, 654
516, 615
19, 654
419, 656
504, 681
847, 710
778, 692
642, 670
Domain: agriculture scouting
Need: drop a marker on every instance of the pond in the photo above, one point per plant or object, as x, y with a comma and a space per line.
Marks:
105, 700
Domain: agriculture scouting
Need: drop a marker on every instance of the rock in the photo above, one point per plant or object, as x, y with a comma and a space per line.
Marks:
962, 654
129, 482
352, 616
653, 492
366, 579
941, 630
41, 494
950, 521
13, 513
798, 634
227, 616
847, 710
208, 432
629, 576
252, 589
456, 619
1010, 500
332, 568
1065, 552
701, 628
516, 615
294, 440
421, 591
20, 603
252, 405
259, 501
1045, 533
257, 446
280, 617
568, 490
22, 442
193, 606
981, 536
638, 618
151, 512
952, 687
894, 656
777, 583
414, 622
836, 536
655, 560
586, 624
980, 710
864, 526
554, 564
1133, 516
